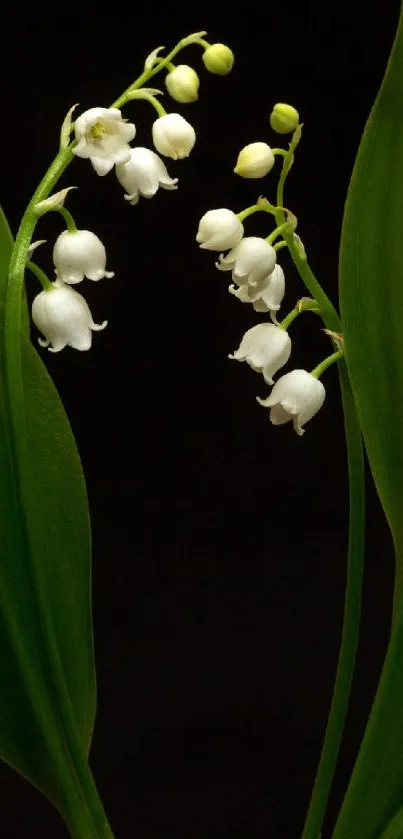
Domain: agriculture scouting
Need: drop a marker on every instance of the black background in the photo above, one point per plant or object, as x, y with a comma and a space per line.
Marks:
219, 540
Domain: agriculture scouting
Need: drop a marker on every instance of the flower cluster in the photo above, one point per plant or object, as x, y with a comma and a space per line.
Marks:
103, 136
258, 279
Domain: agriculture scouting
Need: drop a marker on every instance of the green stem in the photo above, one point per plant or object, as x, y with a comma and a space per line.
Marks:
277, 232
148, 74
203, 43
40, 275
320, 368
351, 620
256, 208
279, 245
71, 225
284, 324
142, 94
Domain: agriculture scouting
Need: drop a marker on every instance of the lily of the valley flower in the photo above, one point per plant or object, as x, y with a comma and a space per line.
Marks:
251, 262
103, 137
219, 230
78, 254
268, 298
64, 318
182, 83
265, 348
297, 396
254, 161
143, 174
173, 136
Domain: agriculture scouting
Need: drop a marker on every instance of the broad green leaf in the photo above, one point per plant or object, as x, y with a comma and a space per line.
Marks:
394, 829
371, 297
47, 682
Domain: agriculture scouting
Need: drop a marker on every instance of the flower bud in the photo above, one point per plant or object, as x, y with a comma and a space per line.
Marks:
183, 83
284, 118
173, 136
218, 59
219, 230
254, 161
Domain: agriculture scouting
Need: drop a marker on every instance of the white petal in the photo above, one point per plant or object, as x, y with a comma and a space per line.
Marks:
278, 416
102, 165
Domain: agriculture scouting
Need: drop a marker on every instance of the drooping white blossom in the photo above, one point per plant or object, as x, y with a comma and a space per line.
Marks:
64, 318
173, 136
143, 174
251, 261
268, 297
183, 83
219, 230
265, 348
79, 254
295, 397
254, 161
103, 136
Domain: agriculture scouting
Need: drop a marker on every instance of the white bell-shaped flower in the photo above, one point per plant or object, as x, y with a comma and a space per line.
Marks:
219, 230
272, 295
297, 396
251, 262
267, 298
183, 83
254, 161
64, 318
143, 174
265, 348
173, 136
78, 254
103, 137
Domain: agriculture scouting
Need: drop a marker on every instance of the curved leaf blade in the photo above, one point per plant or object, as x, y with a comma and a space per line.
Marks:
371, 287
371, 297
47, 679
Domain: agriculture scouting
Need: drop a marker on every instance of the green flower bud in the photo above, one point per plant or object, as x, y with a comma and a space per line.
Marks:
254, 161
284, 118
182, 83
218, 59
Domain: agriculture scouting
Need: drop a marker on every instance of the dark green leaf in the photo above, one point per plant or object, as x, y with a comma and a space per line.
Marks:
47, 683
371, 296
